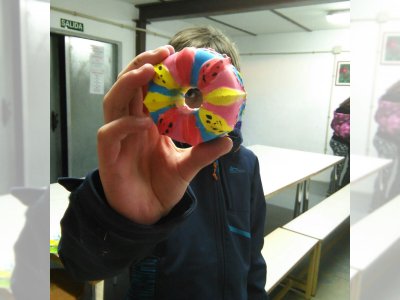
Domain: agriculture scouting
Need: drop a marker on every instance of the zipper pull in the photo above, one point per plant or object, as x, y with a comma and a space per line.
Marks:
215, 165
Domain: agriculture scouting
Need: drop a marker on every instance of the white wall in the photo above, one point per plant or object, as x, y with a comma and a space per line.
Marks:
24, 94
291, 96
7, 99
152, 42
370, 78
35, 82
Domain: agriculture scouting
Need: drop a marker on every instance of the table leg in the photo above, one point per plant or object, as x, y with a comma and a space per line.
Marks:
93, 290
99, 290
316, 267
313, 268
335, 179
298, 200
306, 193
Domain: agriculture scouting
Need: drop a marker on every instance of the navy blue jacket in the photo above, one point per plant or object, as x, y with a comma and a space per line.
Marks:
207, 247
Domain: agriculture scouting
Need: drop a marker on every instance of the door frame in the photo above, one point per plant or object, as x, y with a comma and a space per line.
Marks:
65, 167
92, 37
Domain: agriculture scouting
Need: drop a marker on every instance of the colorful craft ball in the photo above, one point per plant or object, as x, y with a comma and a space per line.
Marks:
209, 77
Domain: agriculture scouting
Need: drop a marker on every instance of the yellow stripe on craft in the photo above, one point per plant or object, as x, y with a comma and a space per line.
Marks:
224, 96
163, 77
213, 122
156, 101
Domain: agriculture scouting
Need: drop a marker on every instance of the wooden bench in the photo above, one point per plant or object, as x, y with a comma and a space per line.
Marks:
283, 250
374, 252
321, 221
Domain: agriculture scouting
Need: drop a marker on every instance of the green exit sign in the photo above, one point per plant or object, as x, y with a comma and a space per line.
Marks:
71, 25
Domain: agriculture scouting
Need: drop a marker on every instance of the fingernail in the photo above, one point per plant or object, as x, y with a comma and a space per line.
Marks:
229, 140
145, 66
158, 49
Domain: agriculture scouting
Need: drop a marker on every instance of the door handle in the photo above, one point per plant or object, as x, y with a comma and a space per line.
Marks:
54, 120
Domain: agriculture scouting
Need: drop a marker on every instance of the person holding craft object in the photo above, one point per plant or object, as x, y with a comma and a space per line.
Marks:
187, 219
340, 145
387, 144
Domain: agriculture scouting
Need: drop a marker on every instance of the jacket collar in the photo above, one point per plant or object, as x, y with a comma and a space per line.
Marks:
237, 139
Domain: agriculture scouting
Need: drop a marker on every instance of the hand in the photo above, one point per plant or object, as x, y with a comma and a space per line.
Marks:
144, 175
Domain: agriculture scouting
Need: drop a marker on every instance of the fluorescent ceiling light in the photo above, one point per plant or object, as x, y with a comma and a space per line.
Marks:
338, 17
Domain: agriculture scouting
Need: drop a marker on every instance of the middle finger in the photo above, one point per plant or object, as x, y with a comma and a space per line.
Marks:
151, 57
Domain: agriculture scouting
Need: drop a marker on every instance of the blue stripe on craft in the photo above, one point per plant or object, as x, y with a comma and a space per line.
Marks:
156, 114
238, 75
240, 232
200, 58
155, 88
205, 135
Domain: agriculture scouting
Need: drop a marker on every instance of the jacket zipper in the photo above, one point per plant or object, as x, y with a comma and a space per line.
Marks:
215, 172
220, 225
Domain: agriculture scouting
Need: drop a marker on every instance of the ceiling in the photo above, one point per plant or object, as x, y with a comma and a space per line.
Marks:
280, 20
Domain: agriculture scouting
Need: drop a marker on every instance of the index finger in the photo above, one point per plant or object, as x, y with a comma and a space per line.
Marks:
149, 57
125, 96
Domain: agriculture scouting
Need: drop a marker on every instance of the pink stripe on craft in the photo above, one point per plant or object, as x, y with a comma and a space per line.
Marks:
224, 79
180, 66
229, 113
170, 64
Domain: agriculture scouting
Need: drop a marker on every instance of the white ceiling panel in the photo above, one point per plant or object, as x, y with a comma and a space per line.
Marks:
260, 22
314, 16
373, 9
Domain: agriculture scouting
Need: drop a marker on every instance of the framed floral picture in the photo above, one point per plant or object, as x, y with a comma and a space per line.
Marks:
343, 73
391, 48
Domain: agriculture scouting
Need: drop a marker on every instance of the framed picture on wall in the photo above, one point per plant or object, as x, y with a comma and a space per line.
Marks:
391, 48
343, 73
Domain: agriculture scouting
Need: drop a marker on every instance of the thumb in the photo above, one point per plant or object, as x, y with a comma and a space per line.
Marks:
197, 157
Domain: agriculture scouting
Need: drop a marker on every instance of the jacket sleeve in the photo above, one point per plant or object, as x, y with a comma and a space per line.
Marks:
97, 242
258, 269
